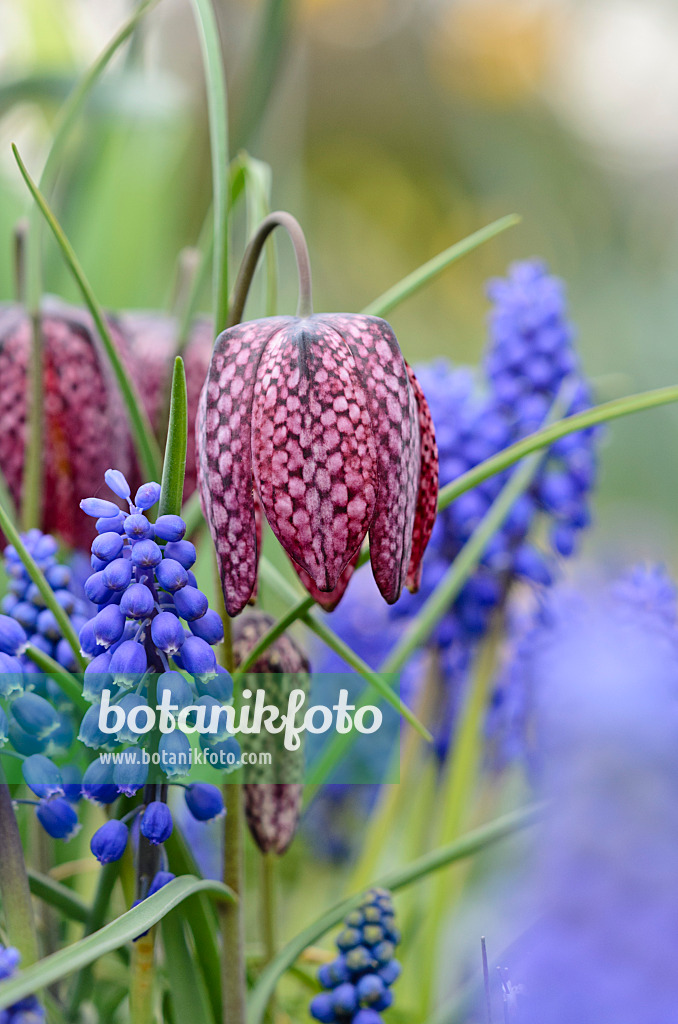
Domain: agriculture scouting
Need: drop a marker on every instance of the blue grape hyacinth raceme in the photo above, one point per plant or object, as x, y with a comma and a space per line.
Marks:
602, 888
358, 982
27, 1010
530, 362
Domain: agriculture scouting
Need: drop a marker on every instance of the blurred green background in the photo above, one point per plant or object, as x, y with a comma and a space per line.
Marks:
393, 128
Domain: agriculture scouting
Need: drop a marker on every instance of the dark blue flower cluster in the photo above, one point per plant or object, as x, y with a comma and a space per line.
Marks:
39, 717
24, 603
358, 982
530, 364
26, 1011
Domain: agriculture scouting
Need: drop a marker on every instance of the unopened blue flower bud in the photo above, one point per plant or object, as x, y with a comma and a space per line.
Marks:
96, 588
118, 574
190, 603
198, 658
108, 625
130, 733
167, 633
175, 753
146, 554
113, 523
88, 641
99, 508
169, 527
130, 773
13, 638
107, 546
344, 1000
208, 627
72, 782
110, 841
42, 776
128, 664
219, 686
137, 601
117, 482
369, 989
35, 715
368, 1016
91, 735
179, 689
156, 822
204, 801
171, 575
147, 495
23, 742
183, 551
48, 625
58, 818
25, 614
66, 600
390, 972
97, 782
321, 1008
65, 656
161, 879
10, 958
138, 527
11, 675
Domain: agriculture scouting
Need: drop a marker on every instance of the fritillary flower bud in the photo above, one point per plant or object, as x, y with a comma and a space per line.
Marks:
272, 809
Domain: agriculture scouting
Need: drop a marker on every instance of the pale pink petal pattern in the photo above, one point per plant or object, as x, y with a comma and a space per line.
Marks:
314, 454
395, 426
223, 438
427, 500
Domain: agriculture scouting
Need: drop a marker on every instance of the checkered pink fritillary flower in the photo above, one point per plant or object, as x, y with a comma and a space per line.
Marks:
318, 422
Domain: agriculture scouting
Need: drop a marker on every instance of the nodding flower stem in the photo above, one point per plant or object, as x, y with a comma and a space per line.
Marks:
279, 219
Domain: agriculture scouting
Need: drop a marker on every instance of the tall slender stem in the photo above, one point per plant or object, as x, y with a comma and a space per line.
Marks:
232, 916
279, 219
14, 889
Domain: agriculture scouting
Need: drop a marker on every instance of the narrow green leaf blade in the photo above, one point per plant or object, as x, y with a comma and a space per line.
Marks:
422, 275
468, 845
174, 465
217, 107
189, 995
110, 937
145, 443
58, 896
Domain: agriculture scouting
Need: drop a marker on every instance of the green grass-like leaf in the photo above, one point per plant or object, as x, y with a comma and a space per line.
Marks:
145, 443
217, 106
174, 465
58, 896
468, 845
125, 928
428, 271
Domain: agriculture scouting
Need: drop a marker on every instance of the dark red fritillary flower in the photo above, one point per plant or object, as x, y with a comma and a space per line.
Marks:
152, 341
272, 809
321, 422
85, 430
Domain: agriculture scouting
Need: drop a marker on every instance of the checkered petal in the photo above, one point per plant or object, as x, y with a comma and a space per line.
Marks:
224, 445
314, 453
395, 425
427, 499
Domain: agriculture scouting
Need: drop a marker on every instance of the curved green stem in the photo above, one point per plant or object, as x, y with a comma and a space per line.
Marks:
278, 219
